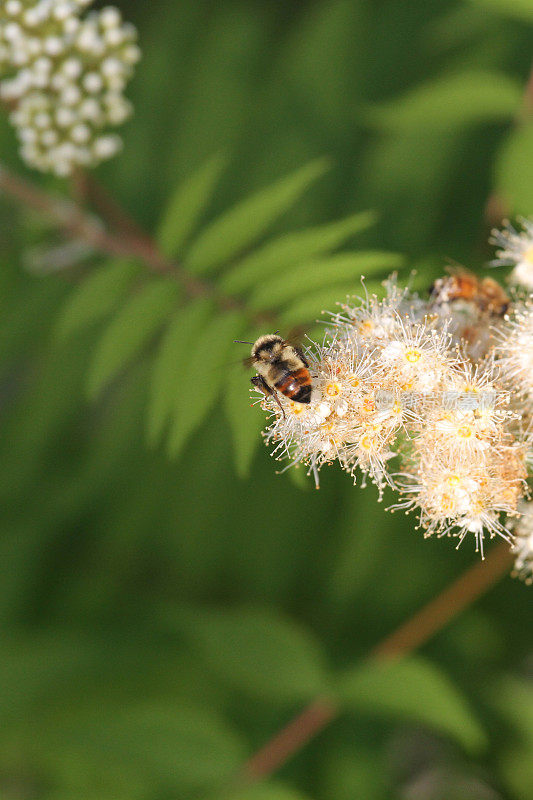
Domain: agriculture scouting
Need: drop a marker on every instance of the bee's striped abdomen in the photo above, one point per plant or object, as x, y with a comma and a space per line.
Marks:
296, 385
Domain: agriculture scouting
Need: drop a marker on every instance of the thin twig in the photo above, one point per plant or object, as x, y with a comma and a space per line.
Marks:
79, 224
431, 619
116, 217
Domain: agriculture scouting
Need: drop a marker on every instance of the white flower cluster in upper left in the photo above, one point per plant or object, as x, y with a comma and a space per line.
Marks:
63, 77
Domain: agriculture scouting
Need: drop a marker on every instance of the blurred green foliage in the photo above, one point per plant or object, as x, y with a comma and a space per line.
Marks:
163, 617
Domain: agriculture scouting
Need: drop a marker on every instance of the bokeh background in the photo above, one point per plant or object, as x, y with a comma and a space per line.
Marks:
161, 617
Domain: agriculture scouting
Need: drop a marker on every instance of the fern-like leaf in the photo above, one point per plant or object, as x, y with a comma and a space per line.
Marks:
135, 323
242, 225
206, 372
293, 248
336, 270
186, 206
95, 297
170, 363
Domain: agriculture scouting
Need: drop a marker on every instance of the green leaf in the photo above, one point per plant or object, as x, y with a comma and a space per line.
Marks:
95, 297
186, 206
245, 421
298, 476
514, 171
513, 699
311, 306
132, 327
293, 248
258, 651
415, 690
314, 275
170, 364
239, 227
518, 9
273, 790
162, 741
205, 375
449, 102
354, 770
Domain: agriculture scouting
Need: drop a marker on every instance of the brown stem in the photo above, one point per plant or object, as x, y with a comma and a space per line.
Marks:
404, 640
447, 605
107, 207
74, 221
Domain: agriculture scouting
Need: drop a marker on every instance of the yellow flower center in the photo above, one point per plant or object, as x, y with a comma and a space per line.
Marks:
446, 504
333, 389
465, 432
528, 255
413, 355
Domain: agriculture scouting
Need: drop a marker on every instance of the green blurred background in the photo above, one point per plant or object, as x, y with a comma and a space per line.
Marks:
162, 617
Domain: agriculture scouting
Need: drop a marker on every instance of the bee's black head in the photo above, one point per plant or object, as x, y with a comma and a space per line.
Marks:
267, 348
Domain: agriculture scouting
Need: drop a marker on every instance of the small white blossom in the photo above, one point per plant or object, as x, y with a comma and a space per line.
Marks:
395, 398
516, 250
64, 74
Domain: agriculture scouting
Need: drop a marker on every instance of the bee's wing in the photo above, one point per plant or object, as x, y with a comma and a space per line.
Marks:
295, 335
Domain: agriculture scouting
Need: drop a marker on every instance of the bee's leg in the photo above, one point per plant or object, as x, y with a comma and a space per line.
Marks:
302, 356
263, 386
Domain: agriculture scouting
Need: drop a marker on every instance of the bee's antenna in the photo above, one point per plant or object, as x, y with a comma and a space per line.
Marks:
238, 341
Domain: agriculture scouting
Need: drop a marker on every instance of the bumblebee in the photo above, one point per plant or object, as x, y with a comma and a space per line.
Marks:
281, 367
485, 294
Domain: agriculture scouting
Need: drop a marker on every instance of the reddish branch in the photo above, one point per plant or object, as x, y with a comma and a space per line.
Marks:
404, 640
78, 224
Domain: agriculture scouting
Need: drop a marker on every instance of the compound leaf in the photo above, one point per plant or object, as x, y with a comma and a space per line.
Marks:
450, 102
132, 327
204, 376
274, 790
293, 248
517, 9
316, 275
261, 652
514, 173
412, 689
95, 297
311, 306
170, 362
186, 206
243, 224
245, 420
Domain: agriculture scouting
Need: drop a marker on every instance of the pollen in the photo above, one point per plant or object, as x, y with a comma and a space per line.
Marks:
400, 401
528, 255
296, 408
464, 432
333, 389
413, 356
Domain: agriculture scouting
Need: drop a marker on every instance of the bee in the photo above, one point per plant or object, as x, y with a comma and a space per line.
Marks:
281, 367
485, 294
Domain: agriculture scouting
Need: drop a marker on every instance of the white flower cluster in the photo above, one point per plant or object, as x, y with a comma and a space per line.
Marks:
516, 250
63, 77
400, 398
